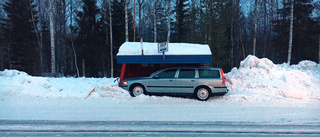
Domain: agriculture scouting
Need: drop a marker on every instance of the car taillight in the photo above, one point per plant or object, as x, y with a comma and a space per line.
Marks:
223, 77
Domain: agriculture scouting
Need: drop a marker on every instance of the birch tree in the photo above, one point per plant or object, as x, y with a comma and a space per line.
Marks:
126, 20
169, 20
134, 21
255, 26
155, 20
53, 61
290, 33
141, 4
265, 28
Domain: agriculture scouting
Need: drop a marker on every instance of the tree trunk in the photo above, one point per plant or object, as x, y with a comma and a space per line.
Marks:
126, 20
111, 48
265, 28
240, 31
64, 31
155, 20
140, 17
83, 68
53, 61
290, 33
169, 20
319, 47
231, 36
41, 41
255, 27
106, 30
134, 21
71, 38
37, 34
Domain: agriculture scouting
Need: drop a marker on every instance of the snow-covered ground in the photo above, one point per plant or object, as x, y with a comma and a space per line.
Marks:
260, 91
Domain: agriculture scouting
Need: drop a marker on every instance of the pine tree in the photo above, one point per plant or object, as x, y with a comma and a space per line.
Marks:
180, 17
19, 30
90, 39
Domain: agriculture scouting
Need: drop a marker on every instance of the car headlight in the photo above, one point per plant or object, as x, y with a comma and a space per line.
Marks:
125, 83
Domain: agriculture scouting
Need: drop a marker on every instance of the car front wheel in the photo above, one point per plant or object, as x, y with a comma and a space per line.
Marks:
136, 90
202, 93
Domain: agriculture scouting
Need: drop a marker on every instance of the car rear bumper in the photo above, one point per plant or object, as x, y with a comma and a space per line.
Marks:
220, 90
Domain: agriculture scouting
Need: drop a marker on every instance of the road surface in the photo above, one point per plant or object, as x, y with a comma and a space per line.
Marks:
153, 128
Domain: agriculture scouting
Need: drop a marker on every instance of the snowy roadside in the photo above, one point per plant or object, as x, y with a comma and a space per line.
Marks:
260, 91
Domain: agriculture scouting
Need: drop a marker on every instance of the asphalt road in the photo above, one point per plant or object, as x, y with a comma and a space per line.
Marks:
153, 128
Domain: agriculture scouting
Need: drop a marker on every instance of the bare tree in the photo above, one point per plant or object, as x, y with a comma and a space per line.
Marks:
255, 26
111, 48
53, 61
134, 21
141, 5
169, 20
290, 33
231, 35
265, 28
126, 20
71, 39
155, 20
60, 34
240, 30
39, 38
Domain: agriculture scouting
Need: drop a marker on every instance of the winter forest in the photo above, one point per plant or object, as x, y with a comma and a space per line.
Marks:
82, 37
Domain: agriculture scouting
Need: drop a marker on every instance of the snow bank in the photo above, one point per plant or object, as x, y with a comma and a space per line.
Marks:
261, 79
17, 83
256, 80
134, 48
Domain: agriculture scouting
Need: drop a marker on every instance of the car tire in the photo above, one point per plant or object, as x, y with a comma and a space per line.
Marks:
137, 90
202, 93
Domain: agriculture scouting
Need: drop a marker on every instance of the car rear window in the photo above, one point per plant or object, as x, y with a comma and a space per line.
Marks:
186, 73
207, 73
170, 73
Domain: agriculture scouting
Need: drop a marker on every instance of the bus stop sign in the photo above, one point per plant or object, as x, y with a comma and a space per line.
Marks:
162, 47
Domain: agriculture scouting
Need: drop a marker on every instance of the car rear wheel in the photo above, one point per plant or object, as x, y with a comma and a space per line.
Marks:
203, 93
136, 90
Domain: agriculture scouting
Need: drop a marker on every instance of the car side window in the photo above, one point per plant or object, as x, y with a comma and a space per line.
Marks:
170, 73
207, 73
187, 73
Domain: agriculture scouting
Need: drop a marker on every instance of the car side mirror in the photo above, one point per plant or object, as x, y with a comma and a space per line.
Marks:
156, 77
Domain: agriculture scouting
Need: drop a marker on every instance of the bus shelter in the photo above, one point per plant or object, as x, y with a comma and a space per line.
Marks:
140, 59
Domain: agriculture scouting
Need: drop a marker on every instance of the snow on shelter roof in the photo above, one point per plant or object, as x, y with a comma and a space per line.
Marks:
131, 53
134, 48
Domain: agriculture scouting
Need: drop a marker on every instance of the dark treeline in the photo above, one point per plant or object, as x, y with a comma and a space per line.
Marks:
82, 31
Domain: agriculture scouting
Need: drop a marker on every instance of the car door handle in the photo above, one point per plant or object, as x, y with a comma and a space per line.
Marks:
170, 80
192, 80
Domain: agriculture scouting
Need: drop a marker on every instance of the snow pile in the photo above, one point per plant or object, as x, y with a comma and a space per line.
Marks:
134, 48
17, 83
260, 79
256, 80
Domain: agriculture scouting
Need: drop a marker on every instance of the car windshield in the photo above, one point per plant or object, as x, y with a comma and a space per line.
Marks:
154, 73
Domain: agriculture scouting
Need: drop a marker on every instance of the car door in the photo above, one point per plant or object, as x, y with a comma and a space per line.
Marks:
163, 82
186, 81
